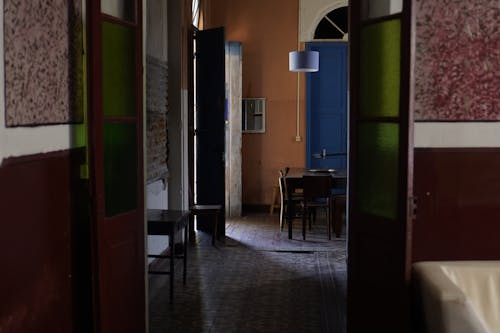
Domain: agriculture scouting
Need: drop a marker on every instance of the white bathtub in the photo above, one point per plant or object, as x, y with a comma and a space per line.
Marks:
459, 296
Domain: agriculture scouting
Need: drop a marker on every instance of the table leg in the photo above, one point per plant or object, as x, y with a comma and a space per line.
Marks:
214, 229
329, 217
192, 236
186, 233
172, 265
289, 211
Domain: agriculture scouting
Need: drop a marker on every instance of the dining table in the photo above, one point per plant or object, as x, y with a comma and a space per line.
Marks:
294, 181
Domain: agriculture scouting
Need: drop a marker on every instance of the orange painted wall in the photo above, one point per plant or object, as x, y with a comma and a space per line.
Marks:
268, 31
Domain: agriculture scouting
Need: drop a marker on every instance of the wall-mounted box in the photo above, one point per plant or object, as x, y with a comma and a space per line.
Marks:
254, 115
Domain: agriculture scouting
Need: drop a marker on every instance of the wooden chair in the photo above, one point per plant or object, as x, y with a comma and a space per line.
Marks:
317, 193
274, 197
339, 204
339, 209
211, 210
297, 199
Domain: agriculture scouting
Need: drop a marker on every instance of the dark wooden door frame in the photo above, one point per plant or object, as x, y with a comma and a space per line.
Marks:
96, 160
405, 190
190, 118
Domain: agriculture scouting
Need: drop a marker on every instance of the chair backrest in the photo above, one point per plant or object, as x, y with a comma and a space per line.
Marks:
339, 186
319, 186
282, 184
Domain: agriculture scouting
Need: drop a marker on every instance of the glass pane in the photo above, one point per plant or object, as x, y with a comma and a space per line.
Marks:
118, 70
120, 167
380, 68
378, 8
326, 30
377, 169
122, 9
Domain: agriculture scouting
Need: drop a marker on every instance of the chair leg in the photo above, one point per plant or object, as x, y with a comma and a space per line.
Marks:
282, 211
214, 229
339, 210
335, 222
329, 219
309, 220
304, 217
273, 200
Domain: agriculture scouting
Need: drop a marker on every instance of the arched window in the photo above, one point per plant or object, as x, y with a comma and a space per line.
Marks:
333, 25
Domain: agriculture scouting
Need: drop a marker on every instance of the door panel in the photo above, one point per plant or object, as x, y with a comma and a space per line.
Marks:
380, 61
118, 63
210, 125
328, 135
116, 159
120, 168
326, 145
380, 172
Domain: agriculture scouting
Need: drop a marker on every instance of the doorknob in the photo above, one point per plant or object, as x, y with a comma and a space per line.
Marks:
323, 154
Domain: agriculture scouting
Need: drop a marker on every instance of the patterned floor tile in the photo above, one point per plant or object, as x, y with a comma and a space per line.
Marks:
259, 281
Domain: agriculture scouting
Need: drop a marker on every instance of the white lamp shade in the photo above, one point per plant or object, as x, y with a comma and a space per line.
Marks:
304, 61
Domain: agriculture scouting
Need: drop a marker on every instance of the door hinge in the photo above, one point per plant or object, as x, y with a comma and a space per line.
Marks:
413, 207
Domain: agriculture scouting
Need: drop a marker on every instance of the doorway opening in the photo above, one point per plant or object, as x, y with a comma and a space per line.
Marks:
215, 146
327, 107
207, 139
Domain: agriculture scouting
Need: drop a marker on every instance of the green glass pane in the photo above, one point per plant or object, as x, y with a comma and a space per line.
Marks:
380, 69
80, 137
377, 169
120, 167
118, 70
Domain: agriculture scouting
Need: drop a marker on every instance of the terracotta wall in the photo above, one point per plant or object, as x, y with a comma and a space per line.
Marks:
268, 31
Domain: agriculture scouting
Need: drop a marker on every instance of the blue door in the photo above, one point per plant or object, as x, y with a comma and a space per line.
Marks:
326, 144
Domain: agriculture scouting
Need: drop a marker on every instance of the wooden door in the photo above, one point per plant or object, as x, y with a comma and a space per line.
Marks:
116, 161
326, 144
190, 119
380, 170
210, 122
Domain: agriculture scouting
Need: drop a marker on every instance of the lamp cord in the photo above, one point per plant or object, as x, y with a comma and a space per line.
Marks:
297, 133
297, 136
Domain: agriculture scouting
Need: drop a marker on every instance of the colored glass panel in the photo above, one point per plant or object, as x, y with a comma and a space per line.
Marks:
120, 167
118, 70
378, 158
122, 9
380, 69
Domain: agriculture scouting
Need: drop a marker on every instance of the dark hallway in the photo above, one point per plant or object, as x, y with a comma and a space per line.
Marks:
258, 281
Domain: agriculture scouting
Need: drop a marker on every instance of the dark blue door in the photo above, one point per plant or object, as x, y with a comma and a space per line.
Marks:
326, 144
210, 126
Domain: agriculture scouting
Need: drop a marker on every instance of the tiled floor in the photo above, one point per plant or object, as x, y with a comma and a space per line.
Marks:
258, 281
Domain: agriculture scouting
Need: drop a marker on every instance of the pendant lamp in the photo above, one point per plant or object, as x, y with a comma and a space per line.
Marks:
304, 61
